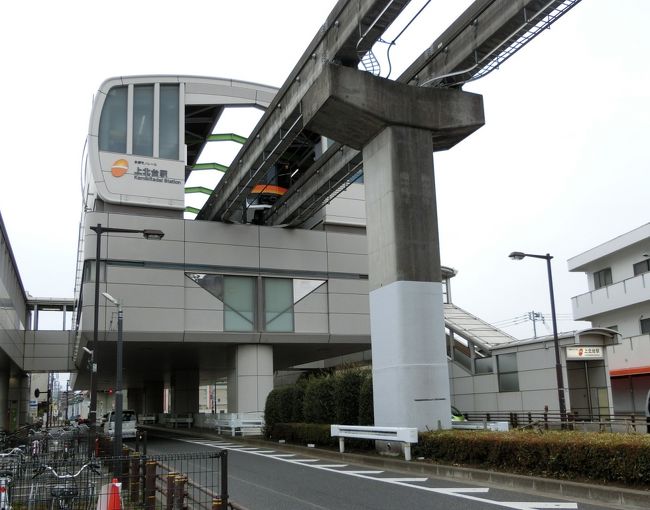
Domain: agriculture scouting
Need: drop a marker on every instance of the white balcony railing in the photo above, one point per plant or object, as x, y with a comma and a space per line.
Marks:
612, 297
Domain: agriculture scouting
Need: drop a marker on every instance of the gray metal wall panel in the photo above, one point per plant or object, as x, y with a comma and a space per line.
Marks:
308, 240
347, 262
311, 322
542, 379
222, 255
204, 320
293, 260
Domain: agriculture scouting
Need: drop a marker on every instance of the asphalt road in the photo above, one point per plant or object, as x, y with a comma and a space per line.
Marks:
266, 479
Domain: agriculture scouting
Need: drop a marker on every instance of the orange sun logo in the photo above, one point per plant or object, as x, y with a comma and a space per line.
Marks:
120, 167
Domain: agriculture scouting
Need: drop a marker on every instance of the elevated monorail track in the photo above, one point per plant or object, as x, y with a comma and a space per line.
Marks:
479, 41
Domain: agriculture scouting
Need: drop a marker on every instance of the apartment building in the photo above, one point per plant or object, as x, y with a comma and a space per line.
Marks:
618, 278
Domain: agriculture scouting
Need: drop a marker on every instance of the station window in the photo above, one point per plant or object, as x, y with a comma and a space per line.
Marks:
508, 373
112, 125
641, 267
278, 304
169, 128
602, 278
239, 303
143, 120
255, 303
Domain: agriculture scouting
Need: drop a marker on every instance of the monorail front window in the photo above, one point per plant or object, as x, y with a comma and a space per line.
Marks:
112, 125
143, 120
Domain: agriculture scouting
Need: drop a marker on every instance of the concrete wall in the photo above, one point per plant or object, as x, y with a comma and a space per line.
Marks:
13, 310
161, 303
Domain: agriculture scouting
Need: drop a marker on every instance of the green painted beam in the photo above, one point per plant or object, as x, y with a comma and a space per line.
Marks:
198, 189
226, 137
210, 166
191, 209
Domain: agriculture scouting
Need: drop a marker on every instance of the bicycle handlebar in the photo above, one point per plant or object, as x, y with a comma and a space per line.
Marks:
12, 452
94, 467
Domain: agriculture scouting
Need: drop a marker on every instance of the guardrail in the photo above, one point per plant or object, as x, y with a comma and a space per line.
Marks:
404, 435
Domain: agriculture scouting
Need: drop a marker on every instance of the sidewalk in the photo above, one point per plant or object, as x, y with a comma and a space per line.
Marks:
611, 496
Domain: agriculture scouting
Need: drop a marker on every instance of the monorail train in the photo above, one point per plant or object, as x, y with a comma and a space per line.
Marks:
261, 197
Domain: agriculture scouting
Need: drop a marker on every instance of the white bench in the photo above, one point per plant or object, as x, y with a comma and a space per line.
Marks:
404, 435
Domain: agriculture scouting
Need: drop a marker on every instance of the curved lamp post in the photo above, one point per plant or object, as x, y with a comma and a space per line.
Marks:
119, 403
99, 230
517, 255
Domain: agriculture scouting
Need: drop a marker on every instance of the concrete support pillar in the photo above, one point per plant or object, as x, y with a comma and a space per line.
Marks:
4, 399
153, 397
410, 374
185, 392
250, 378
135, 399
23, 414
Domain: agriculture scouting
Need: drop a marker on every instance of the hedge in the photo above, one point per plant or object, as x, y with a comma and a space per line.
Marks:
347, 385
604, 457
318, 403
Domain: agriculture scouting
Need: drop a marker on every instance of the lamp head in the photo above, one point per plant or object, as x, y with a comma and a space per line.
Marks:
517, 255
155, 235
111, 298
88, 351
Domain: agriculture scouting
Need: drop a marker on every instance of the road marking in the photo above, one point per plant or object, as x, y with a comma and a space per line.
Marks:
282, 455
458, 492
362, 472
401, 480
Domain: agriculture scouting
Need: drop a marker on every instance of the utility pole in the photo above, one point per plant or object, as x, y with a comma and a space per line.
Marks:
534, 316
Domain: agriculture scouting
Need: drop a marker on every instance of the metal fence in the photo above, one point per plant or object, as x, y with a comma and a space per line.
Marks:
50, 480
573, 421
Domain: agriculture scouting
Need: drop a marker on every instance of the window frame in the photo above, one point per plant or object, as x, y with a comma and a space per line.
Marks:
645, 264
601, 278
508, 373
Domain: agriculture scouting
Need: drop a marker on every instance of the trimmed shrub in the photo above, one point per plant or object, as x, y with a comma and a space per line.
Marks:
271, 411
366, 408
318, 403
304, 433
601, 457
297, 415
347, 385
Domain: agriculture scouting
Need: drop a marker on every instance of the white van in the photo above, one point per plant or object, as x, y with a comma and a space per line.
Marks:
129, 424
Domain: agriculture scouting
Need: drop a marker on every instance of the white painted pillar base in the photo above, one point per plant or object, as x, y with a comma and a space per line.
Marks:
409, 359
250, 379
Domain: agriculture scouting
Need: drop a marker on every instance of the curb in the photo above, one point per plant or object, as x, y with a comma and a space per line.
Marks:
613, 497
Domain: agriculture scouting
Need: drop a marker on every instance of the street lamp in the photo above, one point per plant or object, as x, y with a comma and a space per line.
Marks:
118, 378
99, 230
517, 255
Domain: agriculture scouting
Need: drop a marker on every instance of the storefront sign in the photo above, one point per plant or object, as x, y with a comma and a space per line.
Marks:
584, 352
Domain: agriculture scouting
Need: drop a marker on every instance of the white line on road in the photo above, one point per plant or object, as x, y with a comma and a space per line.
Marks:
458, 492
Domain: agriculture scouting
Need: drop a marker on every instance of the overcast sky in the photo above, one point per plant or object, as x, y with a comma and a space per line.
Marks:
559, 167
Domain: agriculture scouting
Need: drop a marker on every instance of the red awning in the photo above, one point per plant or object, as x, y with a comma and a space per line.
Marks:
629, 371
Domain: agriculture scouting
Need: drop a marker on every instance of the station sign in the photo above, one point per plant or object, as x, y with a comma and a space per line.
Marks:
584, 352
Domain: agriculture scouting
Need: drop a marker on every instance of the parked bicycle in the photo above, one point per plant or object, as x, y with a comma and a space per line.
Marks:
68, 490
11, 464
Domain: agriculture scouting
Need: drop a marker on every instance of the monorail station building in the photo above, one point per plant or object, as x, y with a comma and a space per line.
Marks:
240, 299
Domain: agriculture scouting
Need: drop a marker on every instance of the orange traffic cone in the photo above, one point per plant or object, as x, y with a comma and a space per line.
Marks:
114, 499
